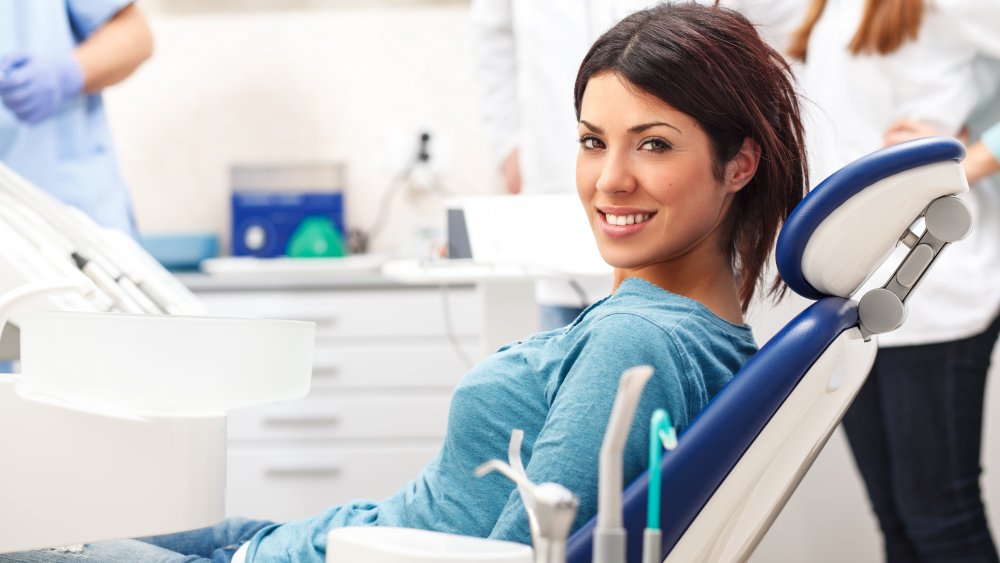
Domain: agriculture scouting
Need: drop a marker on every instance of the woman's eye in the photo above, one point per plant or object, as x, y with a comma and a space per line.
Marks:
654, 145
590, 143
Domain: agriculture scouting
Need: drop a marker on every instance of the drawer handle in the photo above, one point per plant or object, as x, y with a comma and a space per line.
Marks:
331, 471
325, 372
301, 420
320, 320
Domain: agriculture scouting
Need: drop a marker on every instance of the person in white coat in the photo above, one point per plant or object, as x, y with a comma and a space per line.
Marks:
915, 427
527, 56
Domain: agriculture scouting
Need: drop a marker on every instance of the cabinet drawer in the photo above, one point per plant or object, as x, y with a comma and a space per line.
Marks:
359, 313
382, 366
288, 484
347, 418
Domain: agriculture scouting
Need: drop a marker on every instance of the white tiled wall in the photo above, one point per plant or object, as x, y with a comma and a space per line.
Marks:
268, 84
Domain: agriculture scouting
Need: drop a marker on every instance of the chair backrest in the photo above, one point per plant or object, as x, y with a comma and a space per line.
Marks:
738, 462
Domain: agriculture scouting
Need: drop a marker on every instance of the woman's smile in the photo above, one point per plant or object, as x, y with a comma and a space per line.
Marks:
620, 222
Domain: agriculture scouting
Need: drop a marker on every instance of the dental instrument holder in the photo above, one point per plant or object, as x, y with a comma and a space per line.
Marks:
116, 425
551, 507
609, 536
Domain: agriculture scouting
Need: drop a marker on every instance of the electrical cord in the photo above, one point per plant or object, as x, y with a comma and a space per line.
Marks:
449, 328
359, 240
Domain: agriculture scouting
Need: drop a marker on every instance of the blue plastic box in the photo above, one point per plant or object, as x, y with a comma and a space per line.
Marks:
263, 222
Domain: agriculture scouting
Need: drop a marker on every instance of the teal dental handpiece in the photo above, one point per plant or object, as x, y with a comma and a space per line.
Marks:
661, 436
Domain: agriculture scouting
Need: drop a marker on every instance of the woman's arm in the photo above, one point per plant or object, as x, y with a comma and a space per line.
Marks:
115, 49
567, 449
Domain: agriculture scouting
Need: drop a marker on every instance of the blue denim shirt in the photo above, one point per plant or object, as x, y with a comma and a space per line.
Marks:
558, 387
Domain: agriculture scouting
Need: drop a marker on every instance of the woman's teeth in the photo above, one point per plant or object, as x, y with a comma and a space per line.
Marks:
627, 219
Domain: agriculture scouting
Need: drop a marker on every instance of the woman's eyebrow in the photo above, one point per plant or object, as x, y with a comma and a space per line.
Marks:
644, 126
592, 127
636, 129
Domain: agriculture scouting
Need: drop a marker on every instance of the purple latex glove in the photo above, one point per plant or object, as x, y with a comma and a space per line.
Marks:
34, 88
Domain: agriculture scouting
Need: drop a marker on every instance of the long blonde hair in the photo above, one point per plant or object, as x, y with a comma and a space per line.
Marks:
884, 27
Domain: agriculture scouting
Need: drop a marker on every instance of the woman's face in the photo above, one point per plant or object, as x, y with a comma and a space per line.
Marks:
645, 176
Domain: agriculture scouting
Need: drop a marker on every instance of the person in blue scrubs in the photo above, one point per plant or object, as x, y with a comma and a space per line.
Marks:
55, 58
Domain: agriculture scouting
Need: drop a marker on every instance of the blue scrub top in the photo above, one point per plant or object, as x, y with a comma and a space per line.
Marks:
69, 155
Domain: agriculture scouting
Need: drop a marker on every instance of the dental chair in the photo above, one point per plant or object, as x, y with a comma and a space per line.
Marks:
739, 461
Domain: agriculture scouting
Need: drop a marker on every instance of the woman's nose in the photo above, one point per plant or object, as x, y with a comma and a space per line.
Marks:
616, 176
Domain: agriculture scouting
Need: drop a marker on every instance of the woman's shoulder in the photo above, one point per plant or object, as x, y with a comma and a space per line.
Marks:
641, 308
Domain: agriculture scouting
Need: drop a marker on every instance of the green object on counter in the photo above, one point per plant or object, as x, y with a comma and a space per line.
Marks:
316, 237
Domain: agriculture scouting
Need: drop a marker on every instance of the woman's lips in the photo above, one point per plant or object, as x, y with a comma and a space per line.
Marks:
623, 224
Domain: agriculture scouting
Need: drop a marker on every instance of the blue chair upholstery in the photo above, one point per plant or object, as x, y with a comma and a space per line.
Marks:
713, 444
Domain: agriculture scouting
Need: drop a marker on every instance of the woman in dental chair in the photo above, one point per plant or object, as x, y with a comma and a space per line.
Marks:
690, 157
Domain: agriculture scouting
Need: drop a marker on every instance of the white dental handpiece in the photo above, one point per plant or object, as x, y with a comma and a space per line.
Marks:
609, 534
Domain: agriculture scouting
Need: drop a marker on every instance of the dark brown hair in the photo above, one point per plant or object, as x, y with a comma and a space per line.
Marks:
710, 63
884, 27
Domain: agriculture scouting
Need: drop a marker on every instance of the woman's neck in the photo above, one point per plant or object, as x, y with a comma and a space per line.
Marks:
706, 277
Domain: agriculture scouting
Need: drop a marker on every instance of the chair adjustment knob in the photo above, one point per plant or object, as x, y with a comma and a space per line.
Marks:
948, 219
881, 310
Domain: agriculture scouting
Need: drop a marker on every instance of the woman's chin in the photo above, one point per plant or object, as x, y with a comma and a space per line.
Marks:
617, 261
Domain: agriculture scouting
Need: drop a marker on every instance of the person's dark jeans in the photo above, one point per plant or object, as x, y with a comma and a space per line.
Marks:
915, 431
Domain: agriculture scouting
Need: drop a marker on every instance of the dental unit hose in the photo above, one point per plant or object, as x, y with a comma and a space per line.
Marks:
609, 534
661, 436
10, 300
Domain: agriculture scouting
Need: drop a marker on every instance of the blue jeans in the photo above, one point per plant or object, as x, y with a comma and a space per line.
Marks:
915, 430
215, 544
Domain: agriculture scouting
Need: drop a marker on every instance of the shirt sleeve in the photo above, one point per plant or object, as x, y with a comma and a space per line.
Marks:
991, 138
88, 15
567, 449
775, 20
978, 22
496, 69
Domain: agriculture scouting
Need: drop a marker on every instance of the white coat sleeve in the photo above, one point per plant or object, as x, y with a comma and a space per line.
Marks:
775, 20
495, 53
978, 21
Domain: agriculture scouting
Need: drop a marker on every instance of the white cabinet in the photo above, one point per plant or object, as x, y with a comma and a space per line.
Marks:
387, 358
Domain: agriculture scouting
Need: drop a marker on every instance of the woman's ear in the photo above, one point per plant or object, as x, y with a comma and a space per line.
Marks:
743, 166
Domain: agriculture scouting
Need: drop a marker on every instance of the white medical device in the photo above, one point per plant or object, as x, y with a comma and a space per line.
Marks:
116, 425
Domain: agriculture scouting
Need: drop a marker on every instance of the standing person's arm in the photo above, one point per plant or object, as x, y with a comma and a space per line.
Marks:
982, 159
496, 68
976, 21
116, 42
115, 50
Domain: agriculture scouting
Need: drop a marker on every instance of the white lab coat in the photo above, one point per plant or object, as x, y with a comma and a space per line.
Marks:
528, 53
940, 78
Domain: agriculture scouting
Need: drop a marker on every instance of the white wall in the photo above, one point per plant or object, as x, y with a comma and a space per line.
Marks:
341, 81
